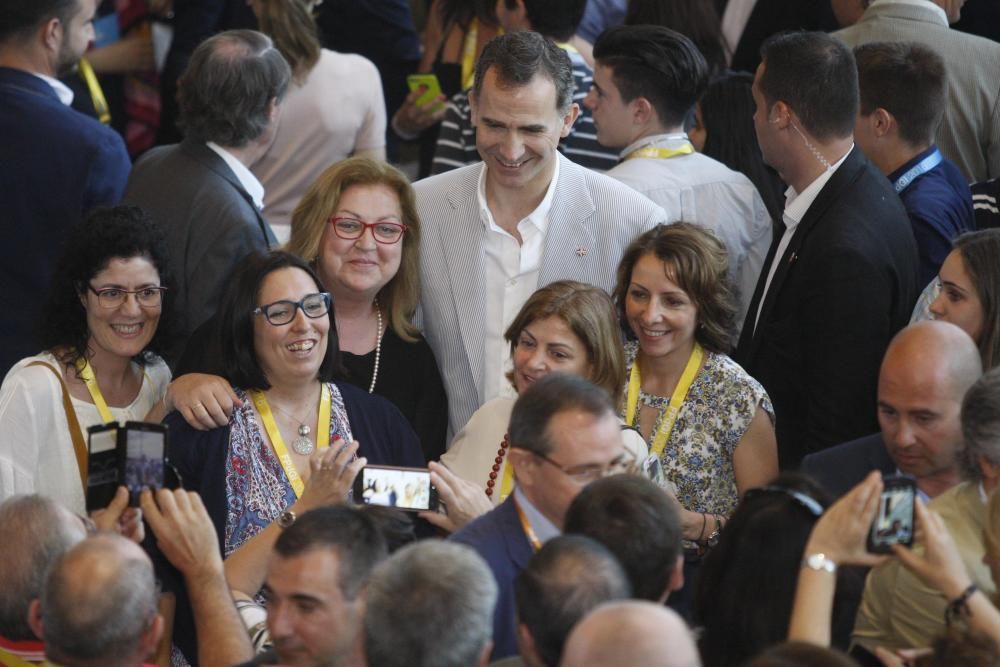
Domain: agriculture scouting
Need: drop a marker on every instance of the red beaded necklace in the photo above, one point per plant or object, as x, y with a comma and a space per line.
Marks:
497, 464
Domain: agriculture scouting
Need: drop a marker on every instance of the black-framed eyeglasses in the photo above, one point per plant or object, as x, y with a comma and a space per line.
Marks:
352, 229
150, 296
587, 472
283, 312
809, 503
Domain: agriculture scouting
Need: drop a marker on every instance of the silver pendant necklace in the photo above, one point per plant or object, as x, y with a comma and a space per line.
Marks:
302, 444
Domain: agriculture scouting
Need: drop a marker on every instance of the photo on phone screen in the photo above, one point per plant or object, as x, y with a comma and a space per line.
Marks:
102, 465
894, 521
402, 488
144, 450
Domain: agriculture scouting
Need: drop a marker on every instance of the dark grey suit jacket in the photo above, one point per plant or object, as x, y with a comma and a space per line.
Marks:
210, 223
839, 469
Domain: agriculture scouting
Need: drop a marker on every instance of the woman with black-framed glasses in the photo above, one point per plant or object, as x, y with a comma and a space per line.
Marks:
300, 433
358, 228
102, 328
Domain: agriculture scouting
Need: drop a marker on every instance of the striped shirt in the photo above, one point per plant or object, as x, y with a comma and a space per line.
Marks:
456, 145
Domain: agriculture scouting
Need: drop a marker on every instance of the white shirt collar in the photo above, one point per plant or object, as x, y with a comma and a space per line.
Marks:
539, 217
796, 204
929, 5
664, 140
544, 529
243, 175
63, 91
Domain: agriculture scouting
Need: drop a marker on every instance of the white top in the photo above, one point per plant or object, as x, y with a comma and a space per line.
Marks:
511, 277
929, 5
696, 188
36, 448
243, 175
796, 206
337, 111
63, 92
474, 450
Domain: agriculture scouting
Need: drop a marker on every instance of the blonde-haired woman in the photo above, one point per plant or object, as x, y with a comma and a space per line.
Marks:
358, 226
334, 109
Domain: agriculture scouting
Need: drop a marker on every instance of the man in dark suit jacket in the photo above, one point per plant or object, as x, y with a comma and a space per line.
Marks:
201, 192
563, 434
926, 371
57, 163
841, 280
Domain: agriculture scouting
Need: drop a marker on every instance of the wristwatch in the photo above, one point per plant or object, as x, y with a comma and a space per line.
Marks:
819, 562
286, 519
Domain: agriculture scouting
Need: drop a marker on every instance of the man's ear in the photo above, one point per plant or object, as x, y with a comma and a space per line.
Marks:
35, 618
780, 115
642, 111
882, 122
569, 119
151, 637
52, 33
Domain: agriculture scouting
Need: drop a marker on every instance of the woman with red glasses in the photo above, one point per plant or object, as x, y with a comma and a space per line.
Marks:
358, 227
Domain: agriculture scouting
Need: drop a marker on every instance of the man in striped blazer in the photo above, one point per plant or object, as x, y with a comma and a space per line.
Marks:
524, 217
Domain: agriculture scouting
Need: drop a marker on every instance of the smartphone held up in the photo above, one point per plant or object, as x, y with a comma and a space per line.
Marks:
894, 520
402, 488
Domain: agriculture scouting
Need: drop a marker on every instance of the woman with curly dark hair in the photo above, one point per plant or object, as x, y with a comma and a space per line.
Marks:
101, 331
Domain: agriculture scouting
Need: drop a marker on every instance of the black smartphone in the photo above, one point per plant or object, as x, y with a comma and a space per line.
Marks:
894, 521
102, 465
402, 488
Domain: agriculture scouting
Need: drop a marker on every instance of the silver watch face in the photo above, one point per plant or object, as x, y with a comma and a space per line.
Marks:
820, 562
286, 519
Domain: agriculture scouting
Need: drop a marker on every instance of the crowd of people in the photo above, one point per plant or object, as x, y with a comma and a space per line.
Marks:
677, 290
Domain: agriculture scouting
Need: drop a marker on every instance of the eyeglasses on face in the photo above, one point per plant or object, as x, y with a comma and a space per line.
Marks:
283, 312
352, 229
586, 473
112, 297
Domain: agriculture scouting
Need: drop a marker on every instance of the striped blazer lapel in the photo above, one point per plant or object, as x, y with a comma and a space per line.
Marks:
569, 241
463, 239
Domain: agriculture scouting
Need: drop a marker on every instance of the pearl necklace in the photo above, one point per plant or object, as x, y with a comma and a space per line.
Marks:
378, 347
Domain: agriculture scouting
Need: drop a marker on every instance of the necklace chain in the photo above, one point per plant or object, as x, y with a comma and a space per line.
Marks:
378, 347
302, 444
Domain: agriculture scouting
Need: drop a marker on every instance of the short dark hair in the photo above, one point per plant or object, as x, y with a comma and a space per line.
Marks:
233, 337
352, 533
568, 577
225, 93
801, 654
19, 19
906, 79
814, 74
698, 262
105, 234
638, 522
553, 394
696, 19
557, 19
518, 56
657, 63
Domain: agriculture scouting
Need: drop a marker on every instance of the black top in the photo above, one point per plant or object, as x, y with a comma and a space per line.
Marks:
408, 377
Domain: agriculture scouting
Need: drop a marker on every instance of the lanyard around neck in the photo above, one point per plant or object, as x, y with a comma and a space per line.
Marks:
665, 424
322, 434
529, 532
86, 373
919, 169
469, 54
661, 153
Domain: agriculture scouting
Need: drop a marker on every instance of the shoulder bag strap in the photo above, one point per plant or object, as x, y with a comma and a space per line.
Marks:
75, 431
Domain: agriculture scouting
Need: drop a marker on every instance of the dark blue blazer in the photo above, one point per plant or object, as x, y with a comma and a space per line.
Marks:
55, 165
839, 469
500, 540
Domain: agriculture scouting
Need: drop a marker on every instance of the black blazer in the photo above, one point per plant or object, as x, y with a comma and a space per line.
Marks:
770, 17
839, 469
845, 285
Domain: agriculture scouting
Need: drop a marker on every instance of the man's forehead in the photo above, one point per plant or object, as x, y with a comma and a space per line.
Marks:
584, 438
539, 88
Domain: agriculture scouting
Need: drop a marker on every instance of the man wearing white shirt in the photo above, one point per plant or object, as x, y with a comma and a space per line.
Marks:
524, 217
841, 280
57, 163
647, 80
201, 191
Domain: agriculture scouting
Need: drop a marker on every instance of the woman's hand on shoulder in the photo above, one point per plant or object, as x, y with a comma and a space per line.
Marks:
841, 533
332, 473
461, 500
205, 401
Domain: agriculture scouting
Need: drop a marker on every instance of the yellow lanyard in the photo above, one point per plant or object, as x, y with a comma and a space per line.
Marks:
87, 375
529, 532
469, 55
566, 46
661, 153
507, 482
322, 434
665, 424
8, 659
96, 94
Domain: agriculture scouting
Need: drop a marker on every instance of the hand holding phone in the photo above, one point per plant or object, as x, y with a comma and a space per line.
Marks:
407, 489
134, 456
431, 91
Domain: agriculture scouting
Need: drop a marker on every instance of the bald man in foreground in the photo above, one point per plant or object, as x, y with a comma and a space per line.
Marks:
631, 633
925, 372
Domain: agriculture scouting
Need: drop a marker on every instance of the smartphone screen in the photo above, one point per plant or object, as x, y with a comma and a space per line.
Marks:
144, 452
894, 521
102, 465
402, 488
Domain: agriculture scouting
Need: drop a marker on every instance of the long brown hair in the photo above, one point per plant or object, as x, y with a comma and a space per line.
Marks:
292, 28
